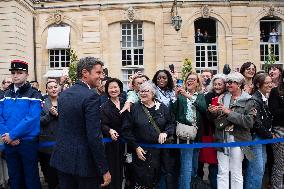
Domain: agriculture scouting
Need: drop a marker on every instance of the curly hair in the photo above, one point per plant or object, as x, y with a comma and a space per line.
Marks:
170, 84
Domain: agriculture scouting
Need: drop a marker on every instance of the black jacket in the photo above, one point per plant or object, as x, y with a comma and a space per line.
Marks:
1, 94
48, 126
263, 122
137, 127
110, 117
79, 149
276, 106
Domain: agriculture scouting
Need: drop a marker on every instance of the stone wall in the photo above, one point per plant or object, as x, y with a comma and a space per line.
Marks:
16, 34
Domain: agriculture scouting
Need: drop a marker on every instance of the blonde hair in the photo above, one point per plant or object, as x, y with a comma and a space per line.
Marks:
199, 87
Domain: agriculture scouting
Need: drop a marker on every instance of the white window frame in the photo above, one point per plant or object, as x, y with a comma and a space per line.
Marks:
206, 57
130, 45
60, 59
267, 45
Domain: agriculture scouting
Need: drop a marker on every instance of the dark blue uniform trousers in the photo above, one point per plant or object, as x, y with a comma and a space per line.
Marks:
22, 162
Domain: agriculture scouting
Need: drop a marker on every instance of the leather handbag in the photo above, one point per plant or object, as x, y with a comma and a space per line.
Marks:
186, 132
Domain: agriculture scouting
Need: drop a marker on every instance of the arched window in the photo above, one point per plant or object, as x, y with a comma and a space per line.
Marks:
206, 56
270, 39
132, 49
58, 45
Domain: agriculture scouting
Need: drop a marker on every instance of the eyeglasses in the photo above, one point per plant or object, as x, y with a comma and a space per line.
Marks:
230, 82
191, 79
144, 91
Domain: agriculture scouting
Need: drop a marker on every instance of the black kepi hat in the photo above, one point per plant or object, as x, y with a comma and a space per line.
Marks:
19, 65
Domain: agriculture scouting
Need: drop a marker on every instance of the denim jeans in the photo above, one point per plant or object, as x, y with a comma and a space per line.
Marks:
186, 162
256, 167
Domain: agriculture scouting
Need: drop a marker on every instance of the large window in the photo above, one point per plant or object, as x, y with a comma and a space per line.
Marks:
59, 58
270, 39
206, 57
206, 51
132, 49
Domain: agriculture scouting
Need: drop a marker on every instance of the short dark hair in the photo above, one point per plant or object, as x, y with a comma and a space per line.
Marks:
259, 80
245, 66
111, 80
34, 82
207, 70
87, 63
170, 84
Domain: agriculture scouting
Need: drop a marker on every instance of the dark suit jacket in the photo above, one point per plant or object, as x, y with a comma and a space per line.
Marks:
79, 150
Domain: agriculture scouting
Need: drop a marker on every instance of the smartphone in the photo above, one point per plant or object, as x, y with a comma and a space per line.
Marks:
179, 83
214, 101
172, 68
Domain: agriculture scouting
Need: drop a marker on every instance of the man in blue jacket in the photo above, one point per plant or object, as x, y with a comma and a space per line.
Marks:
79, 152
19, 127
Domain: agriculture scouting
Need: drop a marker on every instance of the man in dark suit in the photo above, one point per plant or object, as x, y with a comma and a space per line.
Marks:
79, 152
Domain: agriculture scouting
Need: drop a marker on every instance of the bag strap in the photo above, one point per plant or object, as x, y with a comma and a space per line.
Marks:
153, 123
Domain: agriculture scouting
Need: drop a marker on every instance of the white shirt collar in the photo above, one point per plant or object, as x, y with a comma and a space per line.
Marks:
16, 88
264, 98
86, 84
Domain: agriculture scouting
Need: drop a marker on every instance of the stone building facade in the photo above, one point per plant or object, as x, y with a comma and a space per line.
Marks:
131, 35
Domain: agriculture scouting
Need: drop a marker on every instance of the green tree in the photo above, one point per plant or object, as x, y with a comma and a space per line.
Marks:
186, 68
270, 59
73, 66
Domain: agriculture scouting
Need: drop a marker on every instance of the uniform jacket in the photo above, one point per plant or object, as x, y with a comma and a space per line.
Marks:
79, 150
20, 113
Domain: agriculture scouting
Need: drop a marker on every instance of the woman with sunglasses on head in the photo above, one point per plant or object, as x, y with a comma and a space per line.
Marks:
248, 70
234, 119
276, 106
149, 122
261, 130
188, 109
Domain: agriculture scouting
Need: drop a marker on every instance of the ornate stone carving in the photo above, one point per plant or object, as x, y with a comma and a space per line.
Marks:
58, 17
130, 14
271, 11
205, 11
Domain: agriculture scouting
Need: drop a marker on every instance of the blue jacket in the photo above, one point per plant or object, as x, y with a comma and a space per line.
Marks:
20, 113
79, 149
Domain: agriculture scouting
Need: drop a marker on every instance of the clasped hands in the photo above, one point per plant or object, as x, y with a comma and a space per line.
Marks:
6, 138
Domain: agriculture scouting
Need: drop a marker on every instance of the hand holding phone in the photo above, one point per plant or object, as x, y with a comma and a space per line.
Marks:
214, 101
179, 83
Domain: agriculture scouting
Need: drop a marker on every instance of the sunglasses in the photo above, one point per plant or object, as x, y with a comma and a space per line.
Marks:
230, 82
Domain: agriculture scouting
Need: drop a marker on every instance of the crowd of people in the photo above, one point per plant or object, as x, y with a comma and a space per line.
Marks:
70, 123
